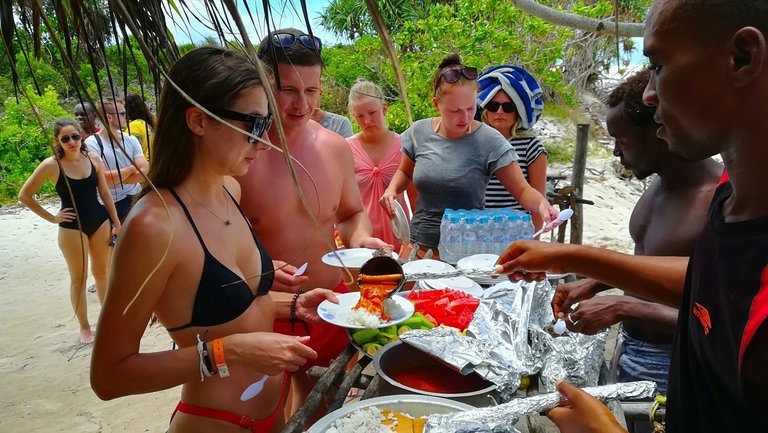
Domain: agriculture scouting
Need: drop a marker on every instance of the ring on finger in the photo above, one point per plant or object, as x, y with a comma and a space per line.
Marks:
570, 319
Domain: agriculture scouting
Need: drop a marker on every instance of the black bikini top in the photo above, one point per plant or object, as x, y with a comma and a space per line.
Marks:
222, 295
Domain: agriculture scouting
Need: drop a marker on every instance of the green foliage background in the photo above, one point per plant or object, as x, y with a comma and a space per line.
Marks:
23, 143
485, 33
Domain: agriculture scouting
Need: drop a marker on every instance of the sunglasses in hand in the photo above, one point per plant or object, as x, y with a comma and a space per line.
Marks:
259, 124
493, 107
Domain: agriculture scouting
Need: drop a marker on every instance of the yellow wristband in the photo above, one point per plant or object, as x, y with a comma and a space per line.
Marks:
218, 356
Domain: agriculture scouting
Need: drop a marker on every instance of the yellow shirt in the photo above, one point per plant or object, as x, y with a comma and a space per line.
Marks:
139, 129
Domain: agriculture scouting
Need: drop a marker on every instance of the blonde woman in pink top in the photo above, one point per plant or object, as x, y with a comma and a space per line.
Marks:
377, 155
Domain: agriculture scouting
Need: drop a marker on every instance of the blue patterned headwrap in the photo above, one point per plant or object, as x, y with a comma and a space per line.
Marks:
519, 85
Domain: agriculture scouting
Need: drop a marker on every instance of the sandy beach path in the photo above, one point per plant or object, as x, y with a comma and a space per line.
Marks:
43, 366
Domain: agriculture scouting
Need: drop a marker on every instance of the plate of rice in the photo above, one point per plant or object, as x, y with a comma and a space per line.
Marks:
386, 414
342, 314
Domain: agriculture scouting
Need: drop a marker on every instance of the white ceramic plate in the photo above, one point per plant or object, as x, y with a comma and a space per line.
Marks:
458, 283
352, 257
426, 265
463, 284
337, 314
399, 225
478, 261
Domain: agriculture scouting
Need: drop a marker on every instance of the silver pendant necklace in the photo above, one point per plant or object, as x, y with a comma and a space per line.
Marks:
226, 222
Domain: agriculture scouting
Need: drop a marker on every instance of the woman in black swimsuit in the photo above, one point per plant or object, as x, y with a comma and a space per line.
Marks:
189, 256
84, 228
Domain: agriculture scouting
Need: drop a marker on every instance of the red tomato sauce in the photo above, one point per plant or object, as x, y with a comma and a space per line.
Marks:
439, 379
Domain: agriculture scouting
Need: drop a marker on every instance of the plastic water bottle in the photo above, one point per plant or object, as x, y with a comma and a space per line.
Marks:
468, 237
511, 228
526, 227
499, 234
446, 220
484, 237
450, 248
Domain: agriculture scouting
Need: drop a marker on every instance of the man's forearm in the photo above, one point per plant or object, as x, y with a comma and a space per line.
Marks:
115, 177
354, 228
649, 312
659, 279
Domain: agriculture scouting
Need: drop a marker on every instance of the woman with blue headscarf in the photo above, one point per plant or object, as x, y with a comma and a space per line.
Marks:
510, 101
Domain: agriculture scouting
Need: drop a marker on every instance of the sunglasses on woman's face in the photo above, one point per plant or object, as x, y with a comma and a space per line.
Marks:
259, 124
493, 107
453, 75
287, 40
64, 139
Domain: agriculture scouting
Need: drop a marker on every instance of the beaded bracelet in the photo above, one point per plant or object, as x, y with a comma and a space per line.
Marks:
295, 319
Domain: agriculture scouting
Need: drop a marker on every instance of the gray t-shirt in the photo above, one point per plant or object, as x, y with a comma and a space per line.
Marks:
450, 173
337, 123
108, 153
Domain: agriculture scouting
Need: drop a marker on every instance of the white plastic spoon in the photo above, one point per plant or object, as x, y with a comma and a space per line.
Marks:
253, 389
559, 327
303, 268
561, 218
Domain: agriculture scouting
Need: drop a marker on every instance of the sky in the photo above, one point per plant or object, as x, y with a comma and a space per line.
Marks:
285, 13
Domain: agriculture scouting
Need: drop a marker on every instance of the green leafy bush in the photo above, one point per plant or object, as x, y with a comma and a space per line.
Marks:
24, 142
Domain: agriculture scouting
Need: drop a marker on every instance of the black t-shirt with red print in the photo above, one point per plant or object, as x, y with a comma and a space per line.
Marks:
722, 318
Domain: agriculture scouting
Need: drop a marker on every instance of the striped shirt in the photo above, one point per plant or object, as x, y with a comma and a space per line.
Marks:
528, 149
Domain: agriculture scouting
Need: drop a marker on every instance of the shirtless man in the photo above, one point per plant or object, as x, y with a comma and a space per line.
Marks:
657, 228
709, 84
272, 203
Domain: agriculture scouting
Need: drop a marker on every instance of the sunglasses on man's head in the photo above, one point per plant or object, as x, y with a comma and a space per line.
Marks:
287, 40
493, 107
64, 139
260, 124
453, 75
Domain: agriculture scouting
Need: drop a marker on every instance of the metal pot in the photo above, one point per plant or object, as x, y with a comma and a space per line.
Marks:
398, 356
416, 406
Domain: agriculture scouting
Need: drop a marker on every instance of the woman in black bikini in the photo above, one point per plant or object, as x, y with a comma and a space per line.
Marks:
84, 228
189, 256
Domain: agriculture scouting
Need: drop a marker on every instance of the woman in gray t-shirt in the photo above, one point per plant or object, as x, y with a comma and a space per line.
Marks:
450, 159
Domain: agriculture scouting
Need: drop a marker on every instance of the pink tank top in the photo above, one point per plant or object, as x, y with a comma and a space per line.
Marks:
372, 181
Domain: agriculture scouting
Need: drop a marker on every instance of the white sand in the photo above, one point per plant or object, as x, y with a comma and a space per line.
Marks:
44, 369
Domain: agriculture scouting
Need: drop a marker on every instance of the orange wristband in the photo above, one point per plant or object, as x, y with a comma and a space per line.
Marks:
218, 356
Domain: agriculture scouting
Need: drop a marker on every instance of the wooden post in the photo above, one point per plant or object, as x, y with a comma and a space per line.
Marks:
577, 180
337, 368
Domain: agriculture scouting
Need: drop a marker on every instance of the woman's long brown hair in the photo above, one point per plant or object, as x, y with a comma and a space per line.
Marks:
212, 76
